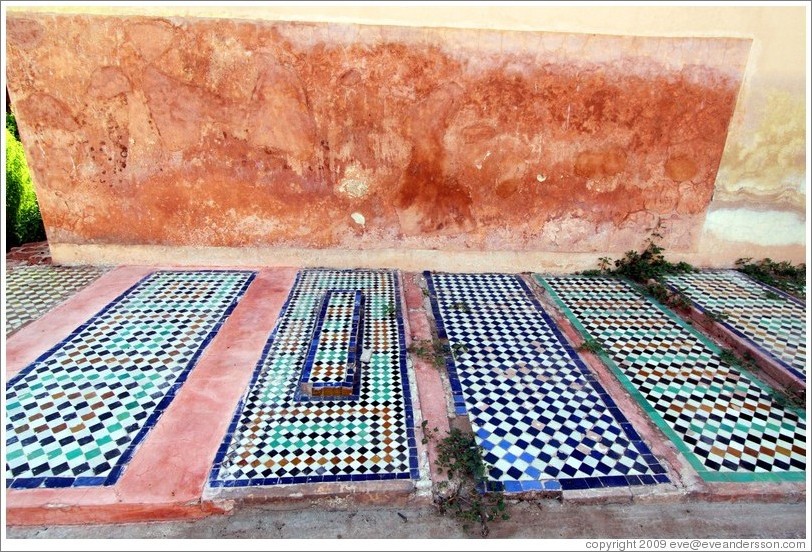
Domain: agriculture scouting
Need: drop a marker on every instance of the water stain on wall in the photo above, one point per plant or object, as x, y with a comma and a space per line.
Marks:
230, 133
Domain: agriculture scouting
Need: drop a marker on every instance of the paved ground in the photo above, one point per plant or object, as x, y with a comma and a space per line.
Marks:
543, 520
175, 395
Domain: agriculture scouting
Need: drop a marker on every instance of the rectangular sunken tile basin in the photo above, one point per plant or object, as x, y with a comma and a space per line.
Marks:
76, 414
333, 364
281, 436
543, 420
728, 424
770, 319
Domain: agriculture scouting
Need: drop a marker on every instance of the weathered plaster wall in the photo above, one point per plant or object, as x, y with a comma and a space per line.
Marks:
192, 132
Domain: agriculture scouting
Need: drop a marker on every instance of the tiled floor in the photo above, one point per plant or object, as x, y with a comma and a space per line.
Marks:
31, 291
726, 423
279, 437
542, 419
773, 321
75, 415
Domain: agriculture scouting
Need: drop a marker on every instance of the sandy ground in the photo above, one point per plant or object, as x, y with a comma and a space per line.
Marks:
547, 519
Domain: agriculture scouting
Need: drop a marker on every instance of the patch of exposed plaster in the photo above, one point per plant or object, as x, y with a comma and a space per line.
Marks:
355, 182
769, 228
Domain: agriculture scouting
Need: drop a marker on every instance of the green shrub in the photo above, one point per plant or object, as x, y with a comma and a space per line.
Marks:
11, 124
23, 219
782, 275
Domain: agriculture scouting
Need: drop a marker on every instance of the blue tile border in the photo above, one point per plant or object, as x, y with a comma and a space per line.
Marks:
126, 456
554, 484
738, 333
413, 473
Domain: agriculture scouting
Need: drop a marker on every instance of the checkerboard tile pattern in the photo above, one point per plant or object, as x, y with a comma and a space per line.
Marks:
541, 418
766, 317
277, 438
727, 424
31, 291
75, 415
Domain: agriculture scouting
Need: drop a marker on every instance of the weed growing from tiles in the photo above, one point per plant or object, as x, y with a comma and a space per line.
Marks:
648, 268
389, 310
461, 306
716, 316
772, 296
590, 345
459, 348
786, 396
430, 350
463, 495
782, 275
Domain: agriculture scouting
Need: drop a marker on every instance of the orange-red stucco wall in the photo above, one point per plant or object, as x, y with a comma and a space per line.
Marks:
205, 132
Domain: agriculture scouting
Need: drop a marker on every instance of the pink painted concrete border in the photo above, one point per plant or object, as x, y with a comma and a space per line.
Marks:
430, 388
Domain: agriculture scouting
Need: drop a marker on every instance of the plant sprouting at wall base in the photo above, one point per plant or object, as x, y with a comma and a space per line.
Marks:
648, 268
782, 275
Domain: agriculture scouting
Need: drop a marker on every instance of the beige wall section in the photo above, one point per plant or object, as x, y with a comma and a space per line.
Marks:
759, 207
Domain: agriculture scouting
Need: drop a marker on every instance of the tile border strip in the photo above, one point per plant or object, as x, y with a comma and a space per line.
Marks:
702, 471
595, 482
413, 473
450, 366
123, 460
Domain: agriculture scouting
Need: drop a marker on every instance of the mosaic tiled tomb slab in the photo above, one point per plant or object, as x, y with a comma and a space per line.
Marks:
31, 291
76, 414
726, 423
542, 419
773, 321
276, 437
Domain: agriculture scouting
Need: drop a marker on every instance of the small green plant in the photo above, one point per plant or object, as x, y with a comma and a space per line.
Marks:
389, 310
644, 267
658, 291
679, 300
771, 295
782, 275
591, 346
464, 495
461, 306
785, 397
459, 348
729, 357
431, 350
650, 264
716, 316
